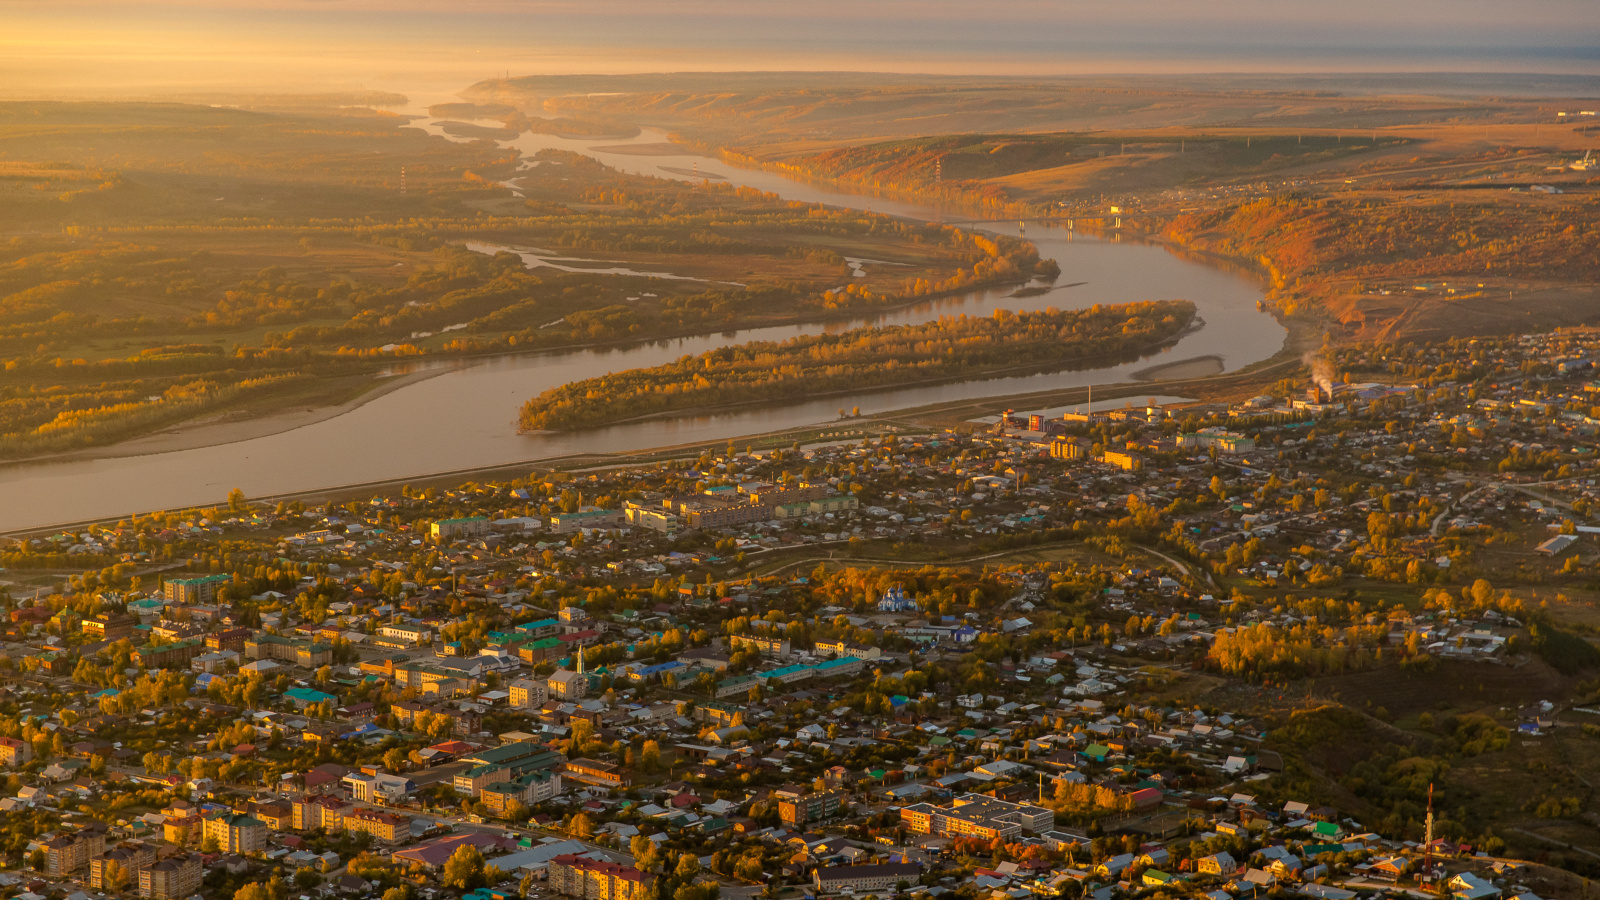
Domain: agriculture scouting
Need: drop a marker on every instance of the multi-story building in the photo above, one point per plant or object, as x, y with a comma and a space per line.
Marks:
171, 879
181, 823
321, 811
1126, 461
566, 523
540, 628
65, 854
977, 815
800, 809
527, 693
841, 648
1226, 442
737, 685
405, 635
215, 661
385, 827
129, 857
719, 715
446, 530
508, 763
881, 877
276, 816
714, 658
195, 590
593, 771
473, 781
658, 520
774, 495
534, 787
806, 509
462, 721
566, 684
178, 630
312, 656
15, 752
420, 675
176, 655
761, 643
262, 645
109, 626
720, 515
231, 639
535, 652
302, 653
1069, 448
237, 833
592, 879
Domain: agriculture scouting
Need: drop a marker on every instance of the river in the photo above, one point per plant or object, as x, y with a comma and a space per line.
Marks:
466, 417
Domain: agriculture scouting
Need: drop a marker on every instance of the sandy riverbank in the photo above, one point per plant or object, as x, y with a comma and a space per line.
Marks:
237, 425
660, 148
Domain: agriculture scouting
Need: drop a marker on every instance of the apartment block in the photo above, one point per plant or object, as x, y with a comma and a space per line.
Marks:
592, 879
385, 827
15, 752
194, 590
237, 833
65, 854
327, 813
171, 879
811, 807
977, 815
131, 857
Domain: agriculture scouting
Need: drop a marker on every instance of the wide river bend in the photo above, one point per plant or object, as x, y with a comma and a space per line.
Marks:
466, 417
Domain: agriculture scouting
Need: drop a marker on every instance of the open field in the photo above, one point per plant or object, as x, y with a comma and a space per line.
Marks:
793, 113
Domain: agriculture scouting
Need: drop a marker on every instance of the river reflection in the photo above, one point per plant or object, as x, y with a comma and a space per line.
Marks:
465, 417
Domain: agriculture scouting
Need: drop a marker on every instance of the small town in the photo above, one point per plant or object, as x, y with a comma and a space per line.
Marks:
1217, 649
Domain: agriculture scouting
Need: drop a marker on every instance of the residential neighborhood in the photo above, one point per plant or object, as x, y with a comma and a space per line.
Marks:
1178, 649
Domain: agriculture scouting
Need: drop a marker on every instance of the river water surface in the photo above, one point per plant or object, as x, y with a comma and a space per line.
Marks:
466, 416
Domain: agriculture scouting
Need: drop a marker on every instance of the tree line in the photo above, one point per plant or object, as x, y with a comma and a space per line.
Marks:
948, 348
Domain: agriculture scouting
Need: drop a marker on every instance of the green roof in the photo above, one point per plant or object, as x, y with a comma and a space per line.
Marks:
203, 579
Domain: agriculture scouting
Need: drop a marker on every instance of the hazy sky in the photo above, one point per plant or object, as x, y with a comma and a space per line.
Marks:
76, 47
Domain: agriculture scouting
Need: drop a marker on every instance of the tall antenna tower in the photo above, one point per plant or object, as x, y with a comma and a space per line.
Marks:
1427, 838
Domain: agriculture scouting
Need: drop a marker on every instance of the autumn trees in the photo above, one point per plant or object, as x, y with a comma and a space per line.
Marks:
813, 365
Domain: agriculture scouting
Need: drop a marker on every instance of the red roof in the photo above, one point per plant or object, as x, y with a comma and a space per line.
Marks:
584, 863
1145, 797
438, 852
